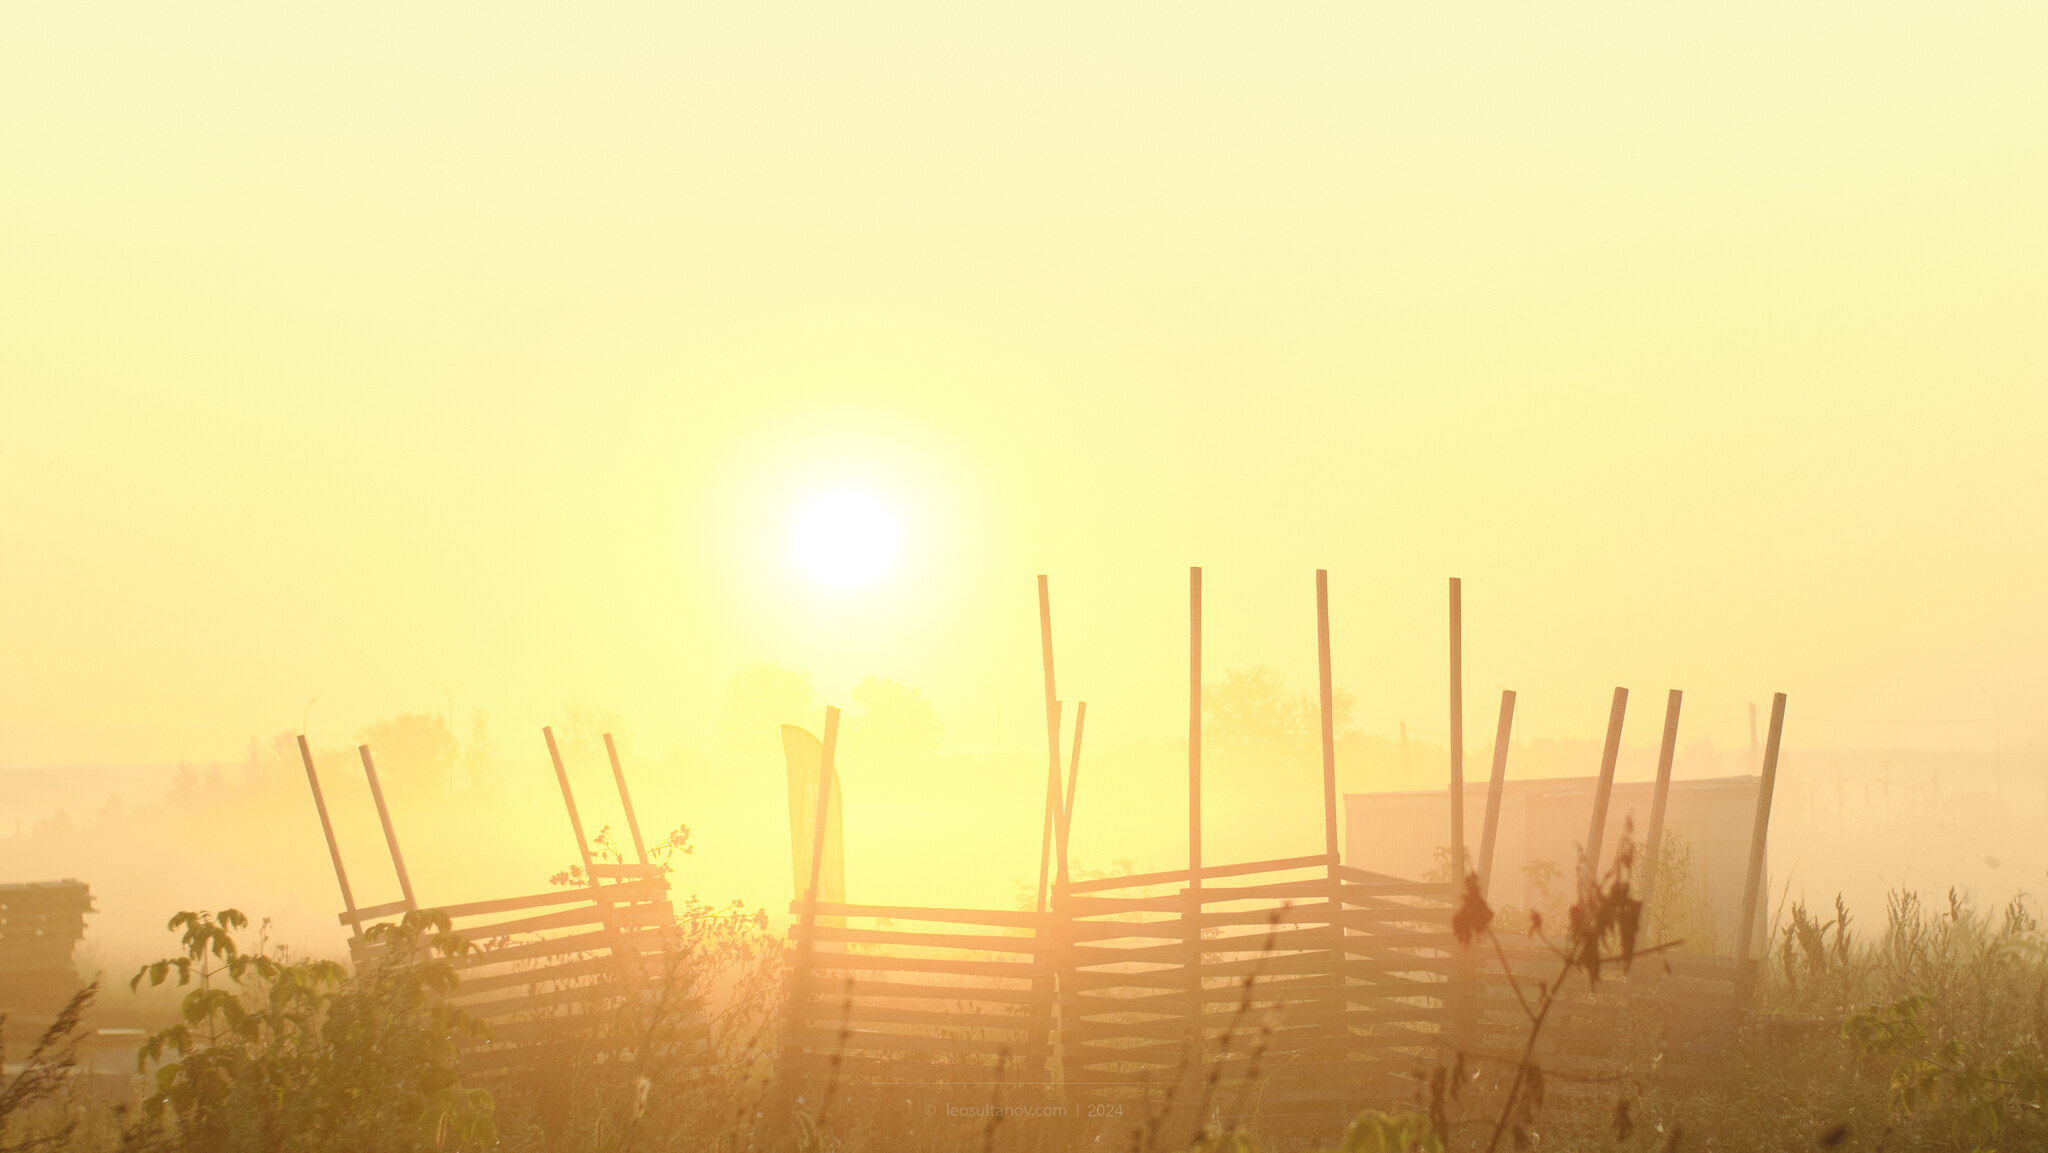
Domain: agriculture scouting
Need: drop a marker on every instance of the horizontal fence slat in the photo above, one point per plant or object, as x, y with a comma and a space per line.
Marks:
537, 976
629, 916
906, 990
825, 1017
880, 962
1006, 919
601, 940
971, 942
862, 1040
624, 893
387, 909
1180, 876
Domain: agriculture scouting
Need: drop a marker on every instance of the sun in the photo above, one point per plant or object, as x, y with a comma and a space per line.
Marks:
845, 539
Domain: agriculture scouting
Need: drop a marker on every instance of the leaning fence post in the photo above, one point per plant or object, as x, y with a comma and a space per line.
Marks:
1329, 718
569, 802
1339, 999
1042, 985
625, 798
1052, 740
1653, 843
1066, 822
1590, 873
1752, 885
348, 897
390, 834
1495, 784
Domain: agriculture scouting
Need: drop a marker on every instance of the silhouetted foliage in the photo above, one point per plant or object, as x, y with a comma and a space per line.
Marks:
301, 1056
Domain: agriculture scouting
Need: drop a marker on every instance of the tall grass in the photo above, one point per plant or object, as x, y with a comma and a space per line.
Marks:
1922, 1031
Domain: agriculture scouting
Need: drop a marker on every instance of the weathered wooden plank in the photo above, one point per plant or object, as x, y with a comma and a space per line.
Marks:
624, 893
864, 1040
992, 917
825, 1017
373, 913
908, 1069
652, 915
906, 990
600, 941
474, 986
882, 962
1180, 876
983, 943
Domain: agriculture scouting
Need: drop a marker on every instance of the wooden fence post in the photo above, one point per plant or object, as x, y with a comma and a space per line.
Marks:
390, 834
1653, 843
1329, 719
1052, 739
625, 798
1495, 784
1195, 727
569, 802
1339, 1001
1066, 822
1457, 738
1590, 872
1752, 885
1060, 922
348, 897
807, 931
1193, 912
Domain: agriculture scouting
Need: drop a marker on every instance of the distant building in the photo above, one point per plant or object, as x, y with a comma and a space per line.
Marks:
1544, 822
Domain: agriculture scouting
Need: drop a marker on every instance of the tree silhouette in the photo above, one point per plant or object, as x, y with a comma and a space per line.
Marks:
1251, 708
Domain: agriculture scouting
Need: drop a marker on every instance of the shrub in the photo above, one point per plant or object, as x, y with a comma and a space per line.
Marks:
302, 1057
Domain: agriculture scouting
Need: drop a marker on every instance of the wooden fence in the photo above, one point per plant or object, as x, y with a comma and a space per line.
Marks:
921, 994
1314, 987
1324, 984
1306, 986
553, 969
1305, 989
564, 969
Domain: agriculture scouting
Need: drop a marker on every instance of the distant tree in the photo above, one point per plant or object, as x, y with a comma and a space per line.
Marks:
760, 697
476, 755
580, 735
415, 752
1251, 708
893, 719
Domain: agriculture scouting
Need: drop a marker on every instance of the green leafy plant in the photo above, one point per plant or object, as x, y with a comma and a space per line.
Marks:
1928, 1070
1375, 1132
302, 1056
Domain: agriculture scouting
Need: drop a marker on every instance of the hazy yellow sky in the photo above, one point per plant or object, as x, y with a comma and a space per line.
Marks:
483, 355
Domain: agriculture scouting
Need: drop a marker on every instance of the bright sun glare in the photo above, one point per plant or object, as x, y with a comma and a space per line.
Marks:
845, 539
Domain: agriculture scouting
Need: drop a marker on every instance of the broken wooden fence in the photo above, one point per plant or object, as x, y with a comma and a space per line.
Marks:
548, 972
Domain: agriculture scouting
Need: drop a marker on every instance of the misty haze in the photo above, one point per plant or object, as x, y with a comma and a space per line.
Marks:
915, 579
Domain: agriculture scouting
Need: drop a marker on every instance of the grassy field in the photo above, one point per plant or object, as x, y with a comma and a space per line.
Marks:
1922, 1029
